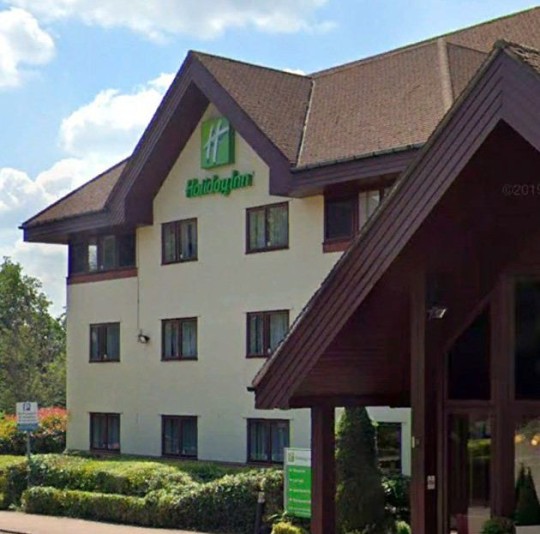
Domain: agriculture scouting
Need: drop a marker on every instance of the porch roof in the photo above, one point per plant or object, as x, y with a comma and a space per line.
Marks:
347, 306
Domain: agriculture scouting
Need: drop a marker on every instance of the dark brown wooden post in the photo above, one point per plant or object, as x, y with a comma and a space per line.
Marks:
424, 401
323, 470
502, 472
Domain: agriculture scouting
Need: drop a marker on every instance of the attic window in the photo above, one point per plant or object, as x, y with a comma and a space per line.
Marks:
102, 253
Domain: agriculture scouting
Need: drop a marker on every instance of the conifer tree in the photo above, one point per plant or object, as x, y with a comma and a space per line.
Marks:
360, 495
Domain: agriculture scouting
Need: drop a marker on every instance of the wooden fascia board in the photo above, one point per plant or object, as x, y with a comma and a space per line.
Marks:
59, 231
192, 73
314, 180
149, 140
521, 97
451, 146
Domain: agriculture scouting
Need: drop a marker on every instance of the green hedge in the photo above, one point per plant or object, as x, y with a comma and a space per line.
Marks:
13, 480
86, 505
119, 477
225, 505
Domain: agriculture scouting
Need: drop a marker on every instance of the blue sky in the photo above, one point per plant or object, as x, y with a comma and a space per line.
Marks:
80, 79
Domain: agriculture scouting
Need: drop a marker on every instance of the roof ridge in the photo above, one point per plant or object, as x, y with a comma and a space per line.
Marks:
504, 44
447, 91
412, 46
197, 54
306, 119
467, 48
75, 191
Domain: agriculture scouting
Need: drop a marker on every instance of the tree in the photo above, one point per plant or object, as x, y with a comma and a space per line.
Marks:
32, 342
360, 494
527, 504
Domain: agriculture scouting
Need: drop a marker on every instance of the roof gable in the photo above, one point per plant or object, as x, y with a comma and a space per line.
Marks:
372, 254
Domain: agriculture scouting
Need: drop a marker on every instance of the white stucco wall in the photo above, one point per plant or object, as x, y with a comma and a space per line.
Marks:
219, 289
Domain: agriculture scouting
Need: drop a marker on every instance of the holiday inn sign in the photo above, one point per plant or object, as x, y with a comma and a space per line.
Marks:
217, 143
217, 149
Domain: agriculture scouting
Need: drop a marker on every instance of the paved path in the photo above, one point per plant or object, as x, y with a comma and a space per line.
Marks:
19, 523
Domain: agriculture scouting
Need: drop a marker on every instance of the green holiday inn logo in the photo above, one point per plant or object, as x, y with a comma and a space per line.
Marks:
216, 185
217, 143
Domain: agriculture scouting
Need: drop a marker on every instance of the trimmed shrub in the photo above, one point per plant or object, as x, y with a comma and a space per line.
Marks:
403, 528
120, 477
498, 525
527, 505
286, 528
360, 495
397, 495
225, 505
13, 480
86, 505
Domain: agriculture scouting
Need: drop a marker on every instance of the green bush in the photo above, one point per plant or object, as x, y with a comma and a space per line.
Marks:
86, 505
397, 495
50, 437
120, 477
403, 527
527, 504
360, 498
13, 480
225, 505
498, 525
286, 528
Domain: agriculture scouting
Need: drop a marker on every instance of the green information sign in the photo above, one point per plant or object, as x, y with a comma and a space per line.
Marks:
298, 482
217, 143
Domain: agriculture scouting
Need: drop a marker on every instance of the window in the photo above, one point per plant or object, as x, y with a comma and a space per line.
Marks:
527, 339
102, 253
268, 228
179, 241
105, 342
266, 440
389, 447
179, 436
368, 203
105, 432
340, 217
345, 215
179, 339
264, 331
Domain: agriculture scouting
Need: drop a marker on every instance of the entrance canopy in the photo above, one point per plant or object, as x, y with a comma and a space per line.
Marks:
465, 209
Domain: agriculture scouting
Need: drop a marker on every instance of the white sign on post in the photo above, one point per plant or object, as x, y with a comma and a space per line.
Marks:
27, 416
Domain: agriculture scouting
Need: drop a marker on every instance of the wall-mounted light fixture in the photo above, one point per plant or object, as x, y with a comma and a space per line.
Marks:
436, 294
436, 312
143, 338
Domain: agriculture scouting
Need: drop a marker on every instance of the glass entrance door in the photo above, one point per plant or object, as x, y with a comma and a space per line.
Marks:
469, 472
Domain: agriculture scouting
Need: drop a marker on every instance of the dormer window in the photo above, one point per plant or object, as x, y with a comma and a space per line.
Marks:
102, 253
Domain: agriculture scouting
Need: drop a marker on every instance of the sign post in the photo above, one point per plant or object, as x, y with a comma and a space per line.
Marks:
27, 420
298, 482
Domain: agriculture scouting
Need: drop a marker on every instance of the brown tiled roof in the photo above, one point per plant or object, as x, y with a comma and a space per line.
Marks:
276, 101
392, 101
527, 55
463, 63
88, 198
385, 102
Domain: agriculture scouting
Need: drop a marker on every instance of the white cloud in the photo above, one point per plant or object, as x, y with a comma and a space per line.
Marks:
300, 72
22, 44
95, 136
111, 124
205, 19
